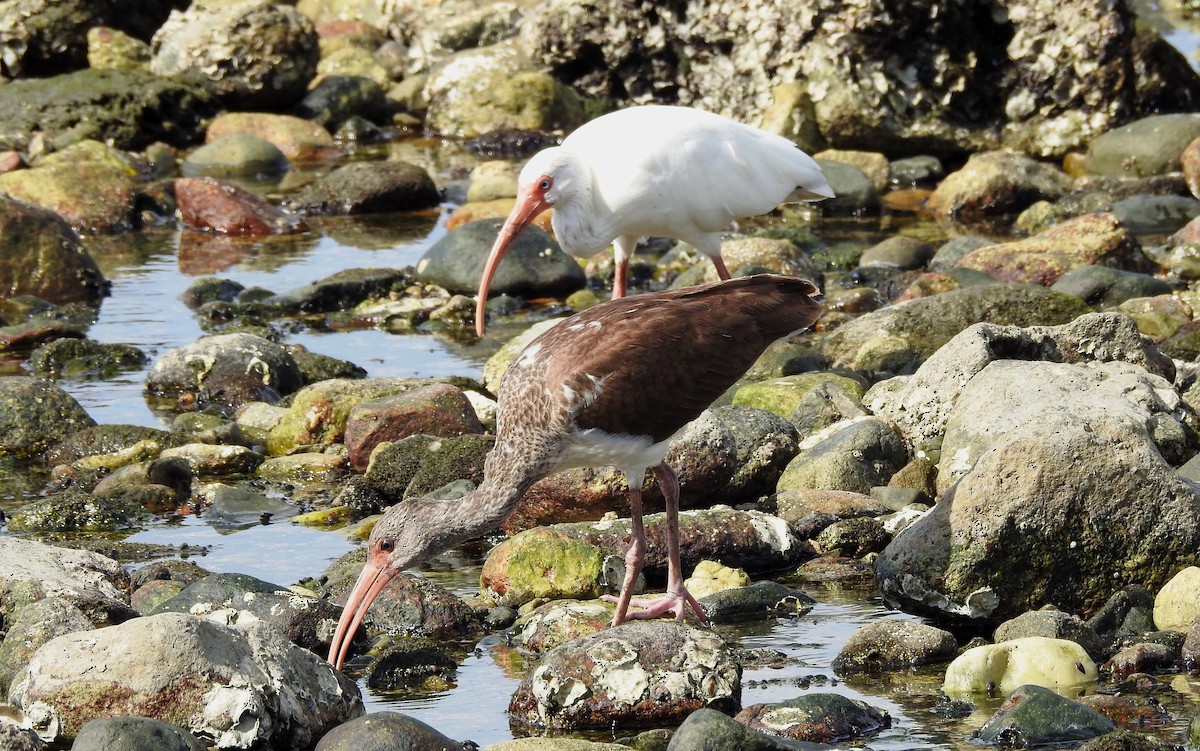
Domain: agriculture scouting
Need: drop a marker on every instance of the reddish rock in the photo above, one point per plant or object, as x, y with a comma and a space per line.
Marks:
296, 137
438, 409
10, 160
1092, 239
495, 209
927, 285
1135, 711
1190, 163
210, 204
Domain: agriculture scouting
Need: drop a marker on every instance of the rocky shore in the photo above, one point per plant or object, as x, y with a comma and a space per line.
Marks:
993, 426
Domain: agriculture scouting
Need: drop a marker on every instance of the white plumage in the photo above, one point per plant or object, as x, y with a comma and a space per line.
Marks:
656, 171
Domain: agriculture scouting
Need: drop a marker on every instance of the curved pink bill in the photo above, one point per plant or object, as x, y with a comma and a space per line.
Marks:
374, 577
529, 205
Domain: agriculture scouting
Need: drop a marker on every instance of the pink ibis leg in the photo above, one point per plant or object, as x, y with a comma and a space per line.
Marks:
719, 263
677, 599
635, 556
623, 248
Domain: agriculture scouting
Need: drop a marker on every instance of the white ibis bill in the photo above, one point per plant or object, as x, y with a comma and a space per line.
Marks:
654, 171
610, 386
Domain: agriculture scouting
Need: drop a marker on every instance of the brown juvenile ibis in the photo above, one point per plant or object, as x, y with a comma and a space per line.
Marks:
656, 171
609, 386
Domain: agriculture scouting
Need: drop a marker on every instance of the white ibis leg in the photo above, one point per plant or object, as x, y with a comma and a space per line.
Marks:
636, 553
623, 248
677, 599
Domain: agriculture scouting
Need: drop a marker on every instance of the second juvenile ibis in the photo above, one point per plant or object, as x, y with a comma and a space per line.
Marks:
610, 386
654, 171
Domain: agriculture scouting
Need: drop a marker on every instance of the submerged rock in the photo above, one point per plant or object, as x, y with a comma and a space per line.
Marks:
816, 718
42, 256
1035, 716
894, 645
367, 188
709, 730
34, 414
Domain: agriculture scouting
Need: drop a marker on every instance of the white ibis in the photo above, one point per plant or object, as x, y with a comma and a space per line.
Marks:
654, 171
609, 386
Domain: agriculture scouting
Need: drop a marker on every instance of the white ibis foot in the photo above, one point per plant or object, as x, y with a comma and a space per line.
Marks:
657, 607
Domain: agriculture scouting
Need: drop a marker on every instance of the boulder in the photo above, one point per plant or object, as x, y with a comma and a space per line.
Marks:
1037, 660
42, 256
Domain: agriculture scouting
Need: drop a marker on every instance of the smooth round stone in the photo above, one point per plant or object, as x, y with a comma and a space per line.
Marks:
236, 155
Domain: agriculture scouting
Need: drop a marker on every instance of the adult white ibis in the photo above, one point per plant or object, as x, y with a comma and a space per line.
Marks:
609, 386
654, 171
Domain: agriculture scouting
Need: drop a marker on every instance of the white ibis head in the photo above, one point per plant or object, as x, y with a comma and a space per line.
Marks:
548, 178
400, 539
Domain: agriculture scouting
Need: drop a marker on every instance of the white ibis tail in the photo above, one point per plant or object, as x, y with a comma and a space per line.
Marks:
656, 171
606, 387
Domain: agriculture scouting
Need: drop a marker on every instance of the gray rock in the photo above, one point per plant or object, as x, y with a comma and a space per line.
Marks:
134, 734
84, 358
74, 511
853, 538
919, 327
1060, 485
42, 256
237, 155
14, 738
816, 718
763, 445
710, 730
854, 193
1127, 613
899, 252
533, 265
894, 644
1106, 287
1037, 716
236, 598
854, 455
640, 674
368, 188
757, 601
996, 182
30, 571
231, 687
225, 371
1149, 146
1053, 624
31, 626
338, 98
916, 170
387, 731
34, 414
1143, 657
954, 249
1146, 215
342, 290
241, 507
255, 55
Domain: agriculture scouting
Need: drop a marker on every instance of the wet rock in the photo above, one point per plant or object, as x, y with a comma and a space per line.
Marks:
763, 444
42, 256
904, 335
1034, 716
1093, 239
1127, 613
1037, 660
451, 460
1105, 287
635, 675
1145, 215
30, 626
129, 733
339, 291
44, 38
894, 645
711, 577
235, 155
237, 507
1149, 146
1125, 740
88, 184
76, 511
340, 97
560, 621
1129, 710
213, 460
751, 540
1177, 604
407, 604
809, 510
130, 109
559, 744
236, 599
253, 54
534, 264
85, 358
368, 188
31, 571
854, 455
898, 252
35, 332
438, 409
710, 730
494, 88
853, 537
996, 182
921, 404
854, 193
295, 137
764, 599
1145, 657
1053, 624
307, 469
35, 414
540, 564
233, 687
224, 371
414, 665
219, 206
380, 731
815, 718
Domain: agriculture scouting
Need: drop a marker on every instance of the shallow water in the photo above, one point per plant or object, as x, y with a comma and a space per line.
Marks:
150, 269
